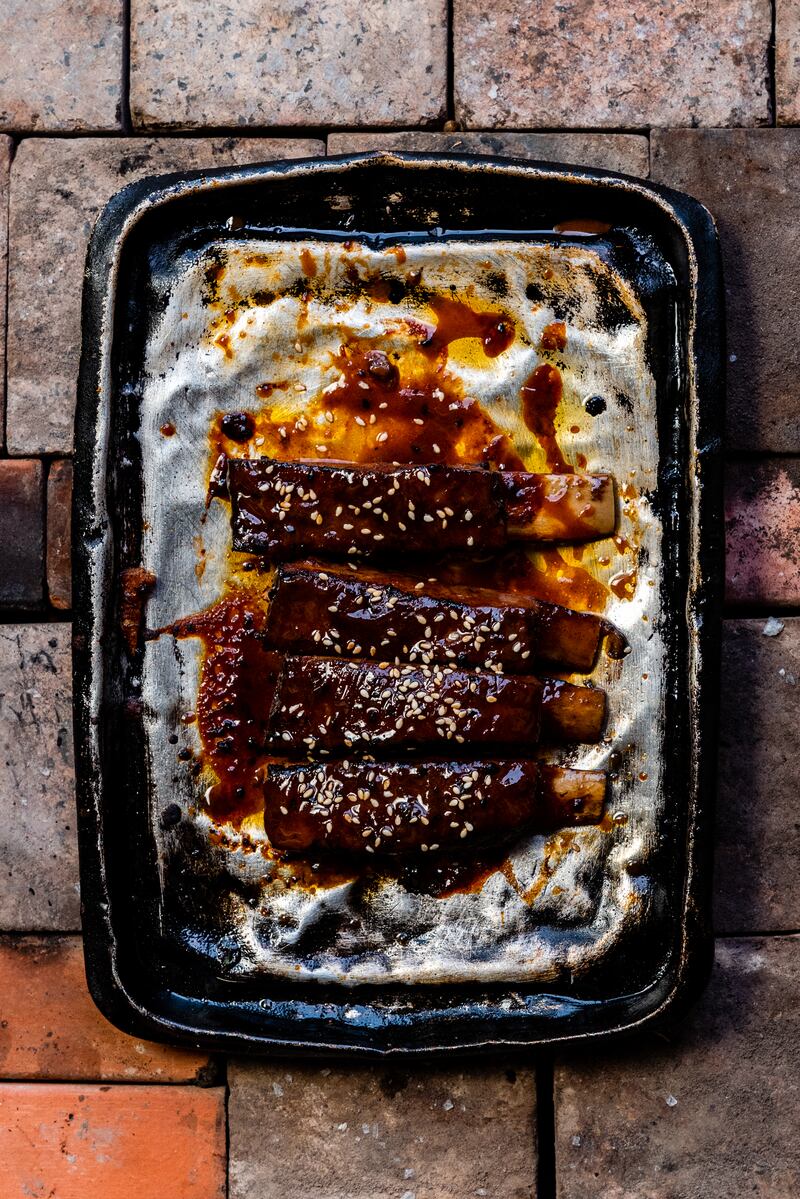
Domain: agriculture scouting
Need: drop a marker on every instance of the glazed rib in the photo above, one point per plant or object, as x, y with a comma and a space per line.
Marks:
385, 617
323, 705
401, 808
283, 509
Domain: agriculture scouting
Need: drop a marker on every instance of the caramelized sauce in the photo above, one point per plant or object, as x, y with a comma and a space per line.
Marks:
541, 396
554, 336
456, 320
552, 578
308, 262
168, 429
624, 584
232, 701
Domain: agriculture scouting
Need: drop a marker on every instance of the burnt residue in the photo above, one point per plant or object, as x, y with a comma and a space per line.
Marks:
136, 583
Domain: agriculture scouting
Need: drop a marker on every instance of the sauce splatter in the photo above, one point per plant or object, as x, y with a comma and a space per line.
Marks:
541, 396
456, 320
168, 429
308, 262
624, 584
554, 336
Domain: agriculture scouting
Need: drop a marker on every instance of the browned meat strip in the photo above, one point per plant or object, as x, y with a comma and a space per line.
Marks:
322, 705
404, 808
283, 509
389, 618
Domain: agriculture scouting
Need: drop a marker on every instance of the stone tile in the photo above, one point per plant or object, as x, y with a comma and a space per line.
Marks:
38, 848
5, 163
787, 61
59, 540
623, 66
60, 64
750, 180
336, 62
707, 1112
52, 1030
21, 533
57, 189
94, 1142
762, 532
627, 152
302, 1132
757, 861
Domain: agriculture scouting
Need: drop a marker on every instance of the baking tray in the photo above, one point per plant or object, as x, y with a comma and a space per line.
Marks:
169, 939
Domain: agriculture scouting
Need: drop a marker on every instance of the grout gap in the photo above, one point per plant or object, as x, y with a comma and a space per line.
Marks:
772, 81
126, 121
545, 1128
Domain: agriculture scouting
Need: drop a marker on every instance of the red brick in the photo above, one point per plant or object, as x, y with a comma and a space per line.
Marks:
372, 1132
787, 61
111, 1142
708, 1111
762, 528
59, 541
52, 1029
38, 849
21, 533
60, 64
750, 180
757, 859
58, 186
5, 163
577, 65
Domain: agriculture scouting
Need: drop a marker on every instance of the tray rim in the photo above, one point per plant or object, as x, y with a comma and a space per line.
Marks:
705, 390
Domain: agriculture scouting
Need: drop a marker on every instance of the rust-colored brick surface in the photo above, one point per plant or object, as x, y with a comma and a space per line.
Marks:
335, 62
5, 162
577, 65
59, 541
60, 64
750, 180
51, 1028
98, 1142
612, 151
303, 1130
21, 533
762, 526
57, 189
709, 1111
38, 849
787, 61
758, 838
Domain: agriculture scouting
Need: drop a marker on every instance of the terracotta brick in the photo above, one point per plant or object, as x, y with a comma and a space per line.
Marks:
38, 849
336, 62
5, 163
366, 1132
52, 1030
625, 152
57, 189
762, 532
100, 1142
621, 66
787, 61
59, 541
707, 1112
60, 64
21, 533
750, 180
757, 867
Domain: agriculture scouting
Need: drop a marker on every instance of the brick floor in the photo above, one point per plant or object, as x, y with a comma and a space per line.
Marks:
625, 152
758, 829
6, 146
38, 849
100, 1142
787, 61
51, 1028
337, 62
60, 64
576, 66
22, 533
57, 189
762, 524
59, 539
709, 1111
750, 179
300, 1130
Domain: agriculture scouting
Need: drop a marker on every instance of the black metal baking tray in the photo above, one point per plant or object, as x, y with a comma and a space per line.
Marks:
146, 979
